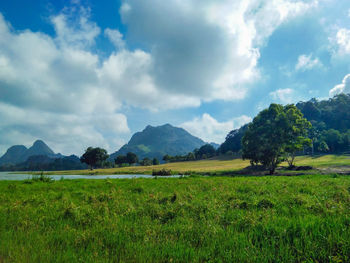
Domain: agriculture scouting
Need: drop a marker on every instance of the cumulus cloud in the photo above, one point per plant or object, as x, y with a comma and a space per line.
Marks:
306, 62
283, 95
191, 52
115, 37
211, 130
208, 49
344, 87
343, 40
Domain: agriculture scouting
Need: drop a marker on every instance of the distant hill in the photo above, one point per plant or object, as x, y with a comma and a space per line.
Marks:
159, 141
38, 157
19, 153
44, 162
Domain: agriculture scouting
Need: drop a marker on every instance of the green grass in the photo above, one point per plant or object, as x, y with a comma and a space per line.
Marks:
191, 219
212, 166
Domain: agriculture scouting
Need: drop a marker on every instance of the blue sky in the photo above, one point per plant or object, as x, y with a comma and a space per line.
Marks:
91, 73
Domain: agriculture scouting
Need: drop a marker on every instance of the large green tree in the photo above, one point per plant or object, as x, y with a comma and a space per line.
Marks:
276, 133
94, 157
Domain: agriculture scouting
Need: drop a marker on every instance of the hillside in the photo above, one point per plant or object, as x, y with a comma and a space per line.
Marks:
330, 130
159, 141
38, 157
19, 153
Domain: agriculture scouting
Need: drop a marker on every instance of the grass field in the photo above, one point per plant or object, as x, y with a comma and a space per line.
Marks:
211, 166
191, 219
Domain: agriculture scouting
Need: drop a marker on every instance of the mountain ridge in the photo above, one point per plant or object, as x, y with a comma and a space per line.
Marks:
157, 141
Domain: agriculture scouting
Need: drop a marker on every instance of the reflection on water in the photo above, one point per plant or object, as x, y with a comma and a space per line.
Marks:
17, 177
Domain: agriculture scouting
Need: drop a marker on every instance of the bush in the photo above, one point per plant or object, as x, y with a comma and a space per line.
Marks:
162, 172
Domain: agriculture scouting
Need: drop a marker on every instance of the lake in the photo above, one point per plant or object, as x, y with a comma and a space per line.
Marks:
18, 177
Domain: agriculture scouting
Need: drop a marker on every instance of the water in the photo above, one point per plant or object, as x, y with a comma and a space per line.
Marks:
18, 177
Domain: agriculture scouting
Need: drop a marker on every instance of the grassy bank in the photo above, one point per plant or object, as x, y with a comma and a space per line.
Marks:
255, 219
213, 166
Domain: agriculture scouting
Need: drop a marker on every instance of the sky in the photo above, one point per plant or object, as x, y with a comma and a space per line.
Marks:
85, 73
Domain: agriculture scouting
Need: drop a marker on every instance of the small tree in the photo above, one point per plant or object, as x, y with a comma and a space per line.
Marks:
121, 159
94, 157
323, 147
166, 158
131, 158
297, 128
155, 161
146, 162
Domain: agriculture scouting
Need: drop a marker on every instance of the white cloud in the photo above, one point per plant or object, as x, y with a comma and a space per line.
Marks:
115, 37
343, 40
207, 49
193, 51
306, 62
344, 87
210, 130
283, 95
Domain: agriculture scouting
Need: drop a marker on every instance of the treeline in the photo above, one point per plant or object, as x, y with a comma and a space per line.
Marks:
204, 152
330, 131
98, 158
43, 162
330, 121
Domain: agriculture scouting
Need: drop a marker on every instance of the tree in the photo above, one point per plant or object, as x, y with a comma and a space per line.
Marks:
131, 158
323, 147
166, 158
94, 157
155, 161
274, 133
206, 150
296, 136
121, 159
146, 162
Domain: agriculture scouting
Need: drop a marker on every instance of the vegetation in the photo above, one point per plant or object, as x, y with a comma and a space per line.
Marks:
276, 133
162, 172
190, 219
204, 152
331, 122
94, 157
220, 165
155, 142
130, 158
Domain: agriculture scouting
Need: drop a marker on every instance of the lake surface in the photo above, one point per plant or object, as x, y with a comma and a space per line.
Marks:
18, 177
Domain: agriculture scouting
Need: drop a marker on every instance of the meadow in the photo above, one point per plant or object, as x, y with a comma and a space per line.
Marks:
213, 166
189, 219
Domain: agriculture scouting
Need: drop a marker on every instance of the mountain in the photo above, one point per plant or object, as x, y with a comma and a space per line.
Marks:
13, 155
19, 153
159, 141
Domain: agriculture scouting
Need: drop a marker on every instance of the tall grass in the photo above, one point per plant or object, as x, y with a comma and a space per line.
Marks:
188, 219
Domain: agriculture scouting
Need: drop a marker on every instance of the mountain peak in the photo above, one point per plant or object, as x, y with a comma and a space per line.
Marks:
40, 148
160, 140
19, 153
39, 143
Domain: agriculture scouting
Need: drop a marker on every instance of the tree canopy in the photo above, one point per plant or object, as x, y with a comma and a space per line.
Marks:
94, 157
276, 133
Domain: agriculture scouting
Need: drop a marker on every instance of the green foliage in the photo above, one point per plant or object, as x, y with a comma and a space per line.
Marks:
233, 141
323, 147
120, 159
162, 172
155, 161
94, 157
331, 122
131, 158
146, 161
196, 219
276, 133
205, 151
